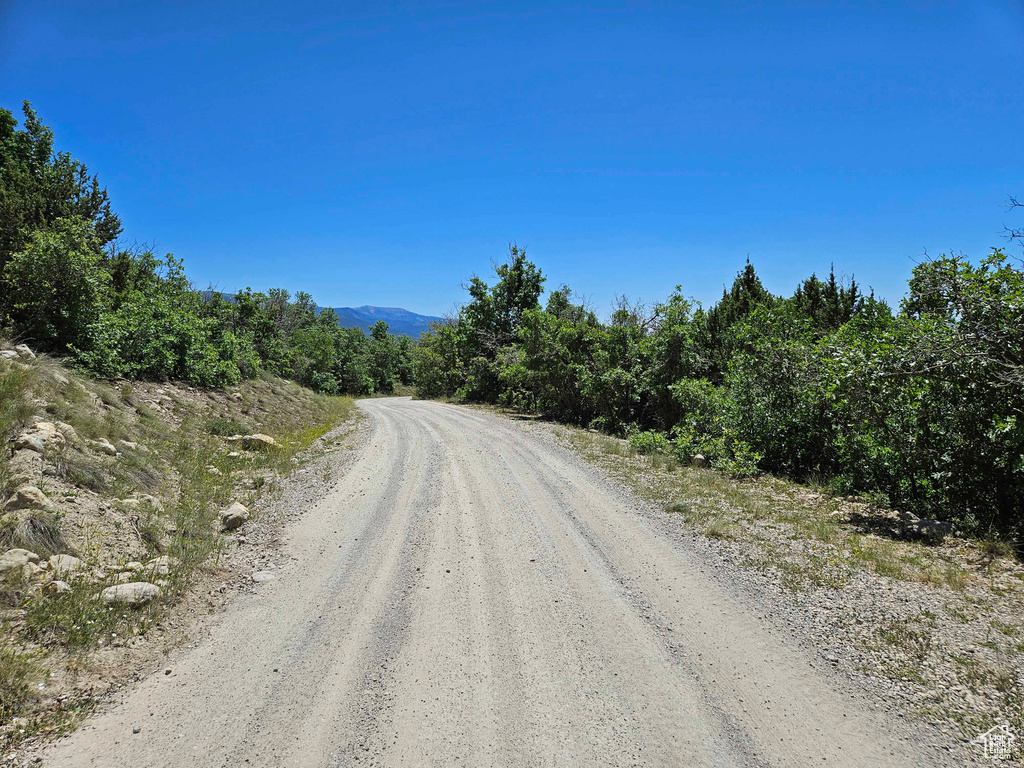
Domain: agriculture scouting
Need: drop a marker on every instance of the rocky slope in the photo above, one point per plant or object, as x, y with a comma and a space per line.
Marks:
117, 500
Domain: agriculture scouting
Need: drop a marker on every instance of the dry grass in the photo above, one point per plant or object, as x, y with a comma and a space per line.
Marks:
768, 513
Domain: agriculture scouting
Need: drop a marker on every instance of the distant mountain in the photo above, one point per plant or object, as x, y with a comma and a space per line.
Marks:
399, 320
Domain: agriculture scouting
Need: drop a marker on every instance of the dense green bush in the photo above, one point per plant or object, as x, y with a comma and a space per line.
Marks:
648, 442
924, 406
54, 285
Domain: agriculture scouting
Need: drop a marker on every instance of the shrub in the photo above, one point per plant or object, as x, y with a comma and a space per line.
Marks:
649, 442
54, 285
38, 532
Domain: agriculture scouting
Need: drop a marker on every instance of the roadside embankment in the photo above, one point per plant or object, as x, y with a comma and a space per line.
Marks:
123, 504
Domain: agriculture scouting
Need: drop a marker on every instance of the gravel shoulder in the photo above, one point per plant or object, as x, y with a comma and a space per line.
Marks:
464, 591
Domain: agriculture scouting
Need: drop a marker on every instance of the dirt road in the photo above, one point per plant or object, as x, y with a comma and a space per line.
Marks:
471, 595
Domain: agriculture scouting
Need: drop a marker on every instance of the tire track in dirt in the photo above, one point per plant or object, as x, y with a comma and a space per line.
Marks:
470, 595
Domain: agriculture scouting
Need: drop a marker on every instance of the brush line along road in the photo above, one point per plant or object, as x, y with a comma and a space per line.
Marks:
470, 594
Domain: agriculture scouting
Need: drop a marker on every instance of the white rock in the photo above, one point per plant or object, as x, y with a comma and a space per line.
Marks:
17, 558
134, 594
57, 588
128, 444
62, 565
141, 502
24, 352
32, 571
25, 468
8, 354
159, 566
27, 497
104, 446
233, 517
261, 577
67, 431
44, 436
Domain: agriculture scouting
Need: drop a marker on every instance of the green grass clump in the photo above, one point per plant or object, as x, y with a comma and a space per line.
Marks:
17, 673
78, 621
15, 408
226, 427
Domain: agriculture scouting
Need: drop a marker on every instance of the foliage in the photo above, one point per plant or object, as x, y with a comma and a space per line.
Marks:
382, 358
649, 442
38, 187
923, 407
53, 286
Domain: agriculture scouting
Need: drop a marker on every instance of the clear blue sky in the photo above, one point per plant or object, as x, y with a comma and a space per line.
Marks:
380, 153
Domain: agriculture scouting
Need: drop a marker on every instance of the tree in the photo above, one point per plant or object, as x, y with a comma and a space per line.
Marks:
54, 286
495, 314
404, 369
38, 187
738, 303
519, 287
829, 304
438, 367
382, 356
971, 316
1015, 233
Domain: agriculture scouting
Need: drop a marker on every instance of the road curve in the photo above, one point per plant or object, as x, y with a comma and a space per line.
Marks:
471, 595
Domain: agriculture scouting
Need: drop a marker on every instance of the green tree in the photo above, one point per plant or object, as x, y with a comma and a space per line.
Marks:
54, 286
405, 351
382, 357
721, 321
438, 367
828, 304
38, 187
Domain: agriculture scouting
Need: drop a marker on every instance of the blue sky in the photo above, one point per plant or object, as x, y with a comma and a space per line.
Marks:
380, 153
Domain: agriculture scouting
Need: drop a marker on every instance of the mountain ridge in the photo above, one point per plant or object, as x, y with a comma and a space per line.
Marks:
399, 320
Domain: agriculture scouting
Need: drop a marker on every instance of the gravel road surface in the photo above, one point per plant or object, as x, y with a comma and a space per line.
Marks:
469, 594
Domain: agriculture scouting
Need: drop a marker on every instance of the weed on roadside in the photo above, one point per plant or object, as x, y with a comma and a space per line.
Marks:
18, 672
78, 621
